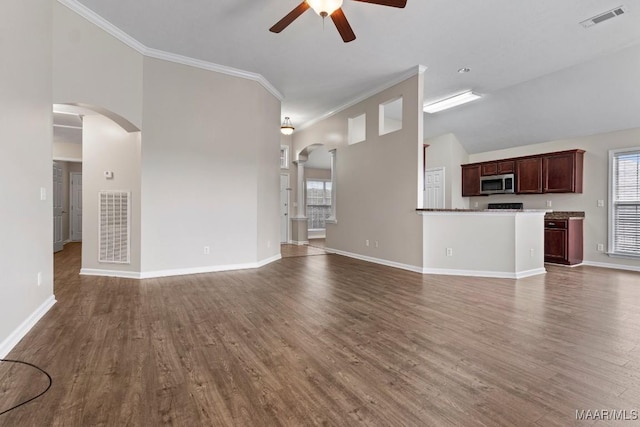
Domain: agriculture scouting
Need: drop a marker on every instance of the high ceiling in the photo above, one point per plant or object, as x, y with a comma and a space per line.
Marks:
543, 75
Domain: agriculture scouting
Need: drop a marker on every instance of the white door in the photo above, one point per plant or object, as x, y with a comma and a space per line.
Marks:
57, 208
75, 219
284, 208
434, 188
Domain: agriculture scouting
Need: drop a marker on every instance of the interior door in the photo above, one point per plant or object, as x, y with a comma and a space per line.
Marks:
75, 222
434, 188
58, 243
284, 208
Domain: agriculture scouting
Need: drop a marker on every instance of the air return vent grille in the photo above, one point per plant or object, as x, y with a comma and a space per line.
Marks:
113, 226
620, 10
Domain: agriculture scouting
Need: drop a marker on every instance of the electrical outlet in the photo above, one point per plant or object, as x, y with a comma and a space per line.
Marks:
449, 251
43, 193
475, 204
39, 278
376, 243
206, 250
601, 203
549, 203
600, 247
268, 243
531, 252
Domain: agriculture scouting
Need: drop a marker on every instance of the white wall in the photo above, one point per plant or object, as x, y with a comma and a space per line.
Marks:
595, 186
92, 67
108, 147
445, 151
379, 181
209, 169
67, 151
25, 141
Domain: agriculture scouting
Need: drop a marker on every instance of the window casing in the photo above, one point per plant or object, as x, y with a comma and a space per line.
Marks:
624, 202
318, 203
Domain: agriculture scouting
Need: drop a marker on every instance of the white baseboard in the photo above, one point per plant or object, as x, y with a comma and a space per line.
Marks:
484, 273
380, 261
613, 266
300, 243
178, 271
14, 338
110, 273
441, 271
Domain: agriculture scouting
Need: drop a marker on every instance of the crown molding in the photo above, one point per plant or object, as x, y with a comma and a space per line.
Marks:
414, 71
125, 38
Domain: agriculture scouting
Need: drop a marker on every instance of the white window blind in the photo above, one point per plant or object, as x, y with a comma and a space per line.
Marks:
625, 203
318, 203
113, 226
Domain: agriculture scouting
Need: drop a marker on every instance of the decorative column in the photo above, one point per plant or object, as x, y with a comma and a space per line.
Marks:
299, 223
332, 218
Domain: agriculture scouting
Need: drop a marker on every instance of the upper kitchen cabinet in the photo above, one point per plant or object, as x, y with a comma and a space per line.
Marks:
497, 168
471, 180
563, 172
529, 175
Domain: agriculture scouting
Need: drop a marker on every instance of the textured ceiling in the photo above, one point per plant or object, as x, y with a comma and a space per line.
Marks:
530, 59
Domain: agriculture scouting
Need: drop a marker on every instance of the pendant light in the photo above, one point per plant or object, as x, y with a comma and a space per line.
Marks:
287, 128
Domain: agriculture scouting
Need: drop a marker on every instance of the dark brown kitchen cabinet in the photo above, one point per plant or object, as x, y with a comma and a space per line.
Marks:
563, 172
471, 180
563, 241
497, 168
529, 175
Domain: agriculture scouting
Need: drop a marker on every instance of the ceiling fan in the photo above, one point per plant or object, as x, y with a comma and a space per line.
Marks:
331, 8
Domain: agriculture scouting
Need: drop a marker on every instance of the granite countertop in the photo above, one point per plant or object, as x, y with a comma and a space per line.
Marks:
564, 215
481, 210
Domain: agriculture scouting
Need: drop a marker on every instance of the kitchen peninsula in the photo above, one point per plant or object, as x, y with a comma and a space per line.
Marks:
486, 243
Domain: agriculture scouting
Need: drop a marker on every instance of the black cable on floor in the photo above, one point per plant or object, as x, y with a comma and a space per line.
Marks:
33, 398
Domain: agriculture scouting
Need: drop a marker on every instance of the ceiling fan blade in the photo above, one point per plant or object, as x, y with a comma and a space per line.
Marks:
343, 26
291, 16
392, 3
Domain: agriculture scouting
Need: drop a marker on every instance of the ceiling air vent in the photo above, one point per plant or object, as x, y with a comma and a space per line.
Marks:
603, 16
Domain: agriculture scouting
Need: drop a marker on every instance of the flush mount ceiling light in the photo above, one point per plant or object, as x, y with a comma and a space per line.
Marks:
464, 70
287, 128
451, 102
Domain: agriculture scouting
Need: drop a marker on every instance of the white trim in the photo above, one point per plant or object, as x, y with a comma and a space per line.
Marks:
67, 159
178, 271
482, 273
380, 261
299, 243
611, 266
14, 337
109, 273
125, 38
414, 71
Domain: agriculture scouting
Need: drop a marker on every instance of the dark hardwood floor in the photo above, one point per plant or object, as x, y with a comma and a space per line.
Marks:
328, 340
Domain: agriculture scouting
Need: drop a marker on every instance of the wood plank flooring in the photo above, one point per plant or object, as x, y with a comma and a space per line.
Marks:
328, 340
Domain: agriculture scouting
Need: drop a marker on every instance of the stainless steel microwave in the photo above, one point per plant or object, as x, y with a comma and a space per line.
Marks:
497, 184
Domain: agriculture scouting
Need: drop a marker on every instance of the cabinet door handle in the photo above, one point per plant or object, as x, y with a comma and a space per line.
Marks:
551, 223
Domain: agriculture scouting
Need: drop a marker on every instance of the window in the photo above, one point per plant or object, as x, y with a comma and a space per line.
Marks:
390, 119
318, 203
624, 203
284, 157
357, 129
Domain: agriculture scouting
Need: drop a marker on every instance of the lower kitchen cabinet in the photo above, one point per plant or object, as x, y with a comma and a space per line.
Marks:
563, 241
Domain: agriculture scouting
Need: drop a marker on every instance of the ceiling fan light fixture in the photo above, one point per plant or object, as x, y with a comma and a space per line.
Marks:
453, 101
325, 8
286, 128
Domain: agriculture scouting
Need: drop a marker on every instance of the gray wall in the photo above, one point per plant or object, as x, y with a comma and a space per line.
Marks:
209, 169
108, 147
25, 138
379, 181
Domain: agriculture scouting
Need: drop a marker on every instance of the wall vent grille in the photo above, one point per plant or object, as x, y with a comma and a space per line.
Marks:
114, 223
605, 16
